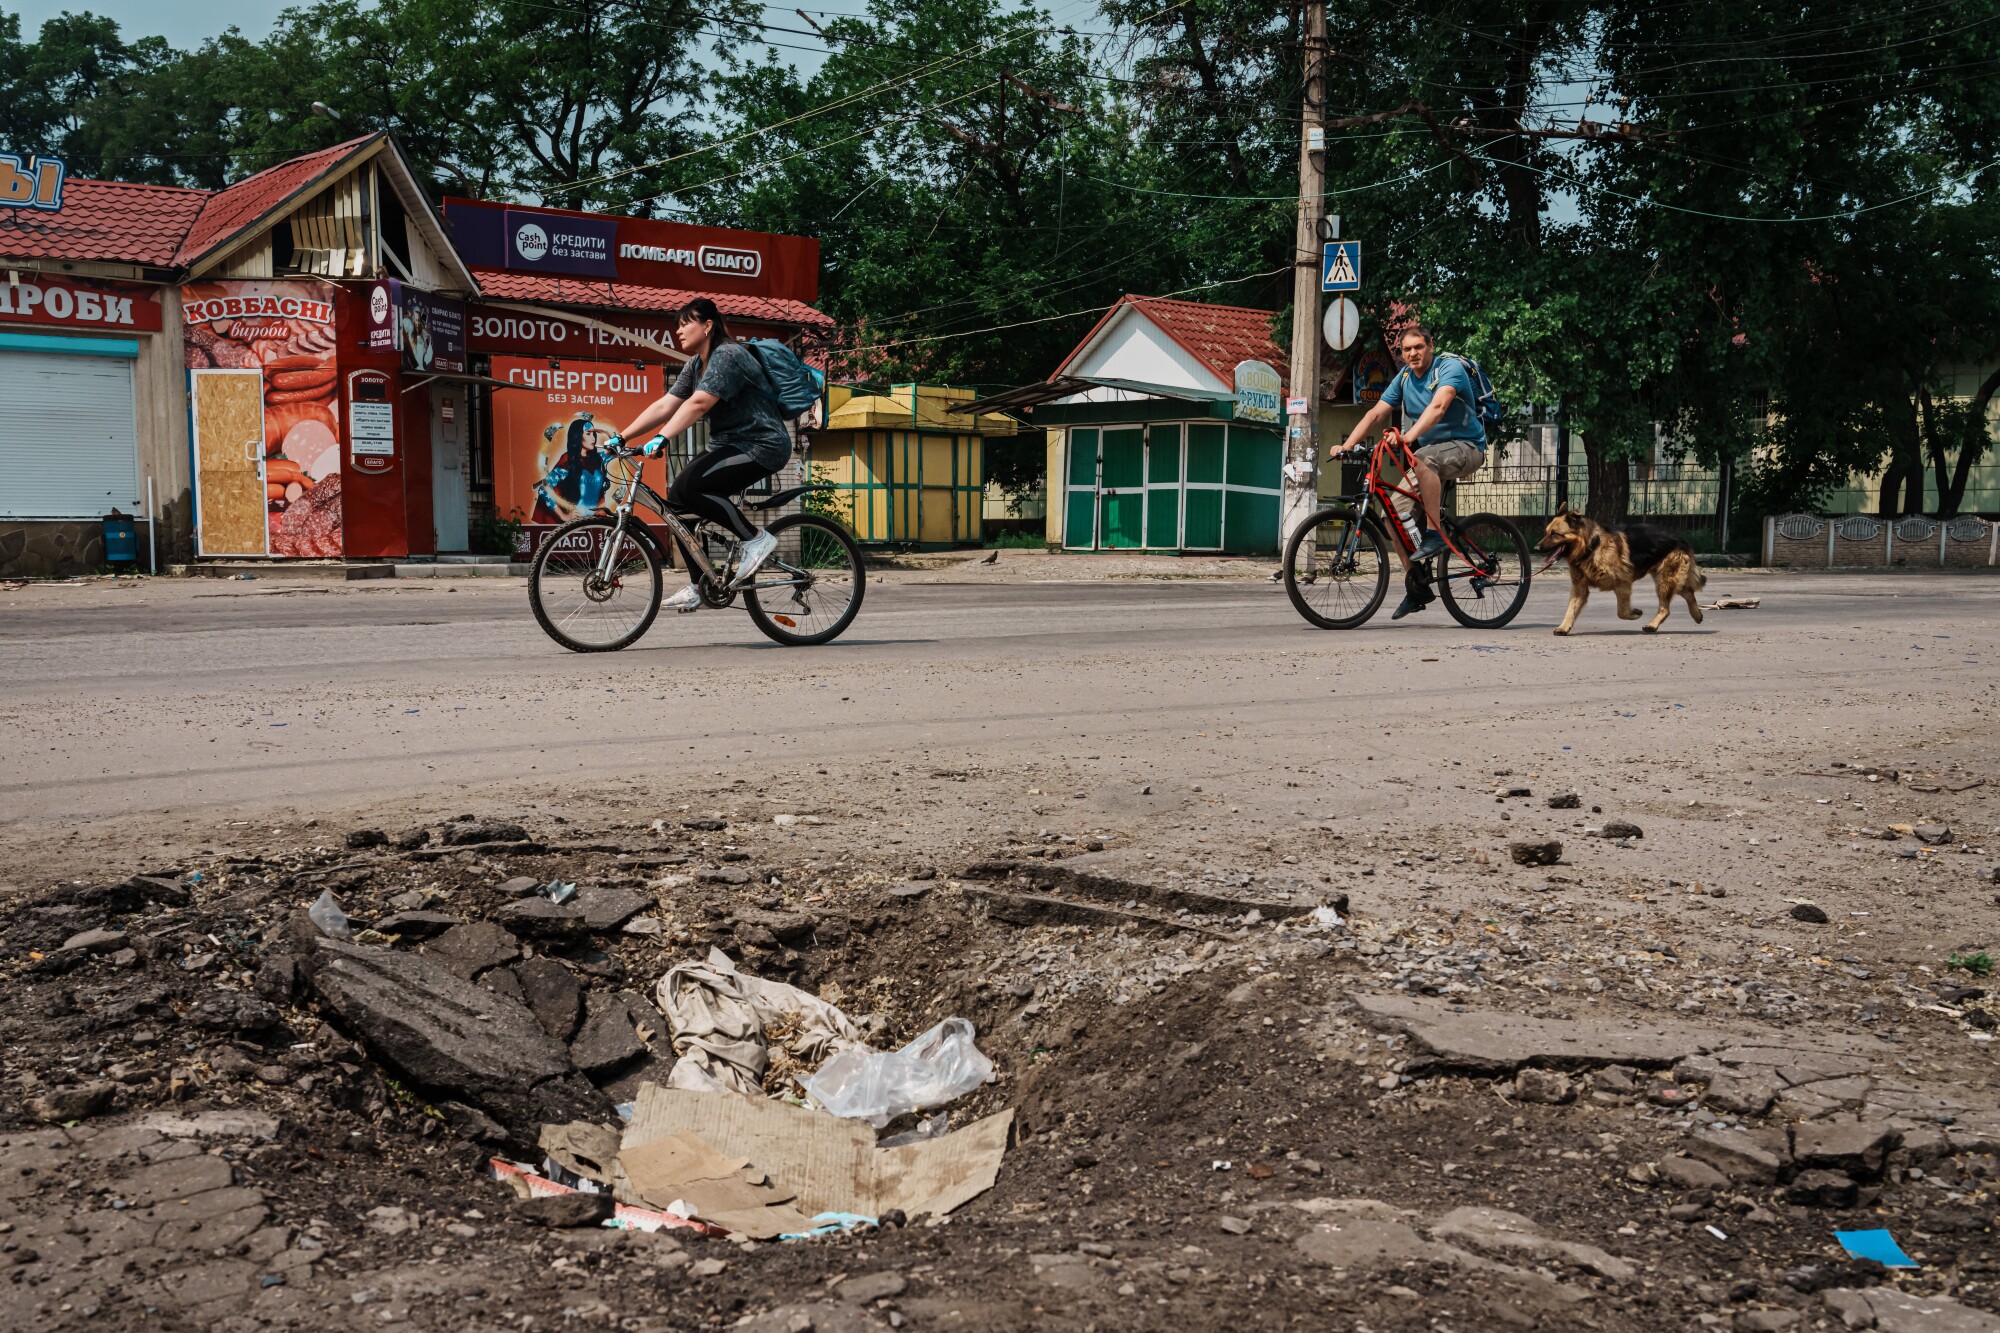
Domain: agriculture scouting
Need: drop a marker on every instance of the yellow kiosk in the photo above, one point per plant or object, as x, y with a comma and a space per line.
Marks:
908, 471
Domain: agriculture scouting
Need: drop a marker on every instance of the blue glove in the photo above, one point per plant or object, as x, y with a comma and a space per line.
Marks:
614, 442
653, 446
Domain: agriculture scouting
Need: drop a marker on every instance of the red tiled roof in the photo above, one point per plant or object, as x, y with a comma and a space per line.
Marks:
631, 296
230, 211
112, 221
1218, 336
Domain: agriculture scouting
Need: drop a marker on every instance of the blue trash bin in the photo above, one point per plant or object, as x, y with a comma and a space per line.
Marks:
121, 540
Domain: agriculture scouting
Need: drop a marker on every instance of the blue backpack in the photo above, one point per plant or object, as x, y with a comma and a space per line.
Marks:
1486, 404
795, 386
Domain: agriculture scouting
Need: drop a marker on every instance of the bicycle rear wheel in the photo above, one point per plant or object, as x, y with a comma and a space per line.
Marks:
1337, 569
810, 590
1491, 590
580, 608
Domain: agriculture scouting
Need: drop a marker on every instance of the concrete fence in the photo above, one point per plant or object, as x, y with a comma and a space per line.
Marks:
1861, 541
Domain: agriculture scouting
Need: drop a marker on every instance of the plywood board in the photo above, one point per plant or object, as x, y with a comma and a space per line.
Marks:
229, 467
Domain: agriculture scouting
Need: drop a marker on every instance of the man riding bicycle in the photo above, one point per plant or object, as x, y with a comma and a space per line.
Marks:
1435, 398
725, 382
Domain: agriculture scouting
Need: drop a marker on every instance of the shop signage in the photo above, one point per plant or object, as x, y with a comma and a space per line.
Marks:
371, 420
541, 242
260, 311
1259, 392
549, 463
31, 182
643, 251
427, 329
510, 331
80, 303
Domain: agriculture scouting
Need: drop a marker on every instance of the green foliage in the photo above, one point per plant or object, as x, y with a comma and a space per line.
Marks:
490, 534
1015, 541
1018, 465
1979, 964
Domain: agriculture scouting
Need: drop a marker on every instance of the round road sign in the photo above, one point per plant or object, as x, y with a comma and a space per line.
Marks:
1342, 324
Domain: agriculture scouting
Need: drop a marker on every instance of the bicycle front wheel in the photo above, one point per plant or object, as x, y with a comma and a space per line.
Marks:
810, 590
1490, 590
1337, 569
581, 608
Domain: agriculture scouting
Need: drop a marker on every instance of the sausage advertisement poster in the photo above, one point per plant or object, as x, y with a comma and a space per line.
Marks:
547, 464
283, 331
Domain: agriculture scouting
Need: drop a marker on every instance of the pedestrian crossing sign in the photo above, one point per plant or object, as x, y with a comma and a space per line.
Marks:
1340, 267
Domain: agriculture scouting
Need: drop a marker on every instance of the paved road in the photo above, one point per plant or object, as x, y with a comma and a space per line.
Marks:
176, 696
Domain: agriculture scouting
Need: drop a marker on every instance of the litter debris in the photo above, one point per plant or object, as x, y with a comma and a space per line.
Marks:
763, 1169
1878, 1245
582, 1149
833, 1224
1716, 1232
936, 1127
877, 1086
1734, 604
1326, 917
557, 892
326, 914
623, 1216
719, 1018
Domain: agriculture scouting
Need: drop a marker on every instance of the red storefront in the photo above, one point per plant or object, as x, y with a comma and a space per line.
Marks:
577, 309
323, 309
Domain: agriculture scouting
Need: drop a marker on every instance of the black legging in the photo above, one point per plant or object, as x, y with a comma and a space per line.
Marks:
706, 483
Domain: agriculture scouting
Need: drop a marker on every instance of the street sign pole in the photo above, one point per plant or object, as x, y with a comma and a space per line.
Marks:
1301, 474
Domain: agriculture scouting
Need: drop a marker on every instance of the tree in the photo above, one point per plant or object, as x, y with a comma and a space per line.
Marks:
954, 160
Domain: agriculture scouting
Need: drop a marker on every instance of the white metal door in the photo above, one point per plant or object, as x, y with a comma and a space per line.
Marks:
450, 491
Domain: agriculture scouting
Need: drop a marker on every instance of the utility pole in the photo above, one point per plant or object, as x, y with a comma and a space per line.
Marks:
1301, 477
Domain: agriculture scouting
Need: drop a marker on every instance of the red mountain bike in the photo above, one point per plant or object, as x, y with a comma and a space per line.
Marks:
1337, 562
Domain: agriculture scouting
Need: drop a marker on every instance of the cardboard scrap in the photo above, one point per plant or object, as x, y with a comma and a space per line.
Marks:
819, 1162
1735, 604
583, 1149
681, 1173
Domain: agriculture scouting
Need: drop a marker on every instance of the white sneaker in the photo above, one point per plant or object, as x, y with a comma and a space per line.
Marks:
686, 600
752, 556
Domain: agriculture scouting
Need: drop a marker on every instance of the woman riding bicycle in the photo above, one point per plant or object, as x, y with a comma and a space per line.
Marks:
725, 383
1435, 396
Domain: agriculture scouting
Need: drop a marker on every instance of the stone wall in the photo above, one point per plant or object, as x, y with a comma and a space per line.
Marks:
52, 549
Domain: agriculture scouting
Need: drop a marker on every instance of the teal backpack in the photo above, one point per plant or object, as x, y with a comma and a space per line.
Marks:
795, 386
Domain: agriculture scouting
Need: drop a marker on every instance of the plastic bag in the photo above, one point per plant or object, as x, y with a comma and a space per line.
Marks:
326, 914
877, 1086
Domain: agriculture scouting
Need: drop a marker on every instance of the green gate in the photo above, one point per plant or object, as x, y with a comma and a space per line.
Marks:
1080, 499
1121, 489
1205, 444
1169, 486
1163, 486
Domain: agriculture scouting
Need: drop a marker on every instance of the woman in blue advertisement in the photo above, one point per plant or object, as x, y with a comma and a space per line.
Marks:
575, 483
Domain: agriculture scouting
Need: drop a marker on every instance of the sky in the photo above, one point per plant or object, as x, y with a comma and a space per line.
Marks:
189, 22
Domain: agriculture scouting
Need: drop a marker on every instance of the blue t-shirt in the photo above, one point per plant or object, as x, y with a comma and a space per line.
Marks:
1413, 395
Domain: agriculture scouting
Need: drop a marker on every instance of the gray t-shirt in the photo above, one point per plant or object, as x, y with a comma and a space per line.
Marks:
744, 417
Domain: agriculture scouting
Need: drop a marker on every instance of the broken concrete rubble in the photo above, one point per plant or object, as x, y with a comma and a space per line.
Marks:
450, 1036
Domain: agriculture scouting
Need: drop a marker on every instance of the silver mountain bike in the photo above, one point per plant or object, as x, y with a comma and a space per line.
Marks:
596, 583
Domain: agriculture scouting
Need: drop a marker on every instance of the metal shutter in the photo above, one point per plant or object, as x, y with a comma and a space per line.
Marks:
69, 442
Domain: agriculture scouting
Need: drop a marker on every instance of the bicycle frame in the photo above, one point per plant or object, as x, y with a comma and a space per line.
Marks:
625, 497
1476, 564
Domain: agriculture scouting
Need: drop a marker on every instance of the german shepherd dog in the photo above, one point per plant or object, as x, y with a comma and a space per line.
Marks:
1613, 559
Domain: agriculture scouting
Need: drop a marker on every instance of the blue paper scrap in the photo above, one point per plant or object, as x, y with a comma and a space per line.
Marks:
1877, 1245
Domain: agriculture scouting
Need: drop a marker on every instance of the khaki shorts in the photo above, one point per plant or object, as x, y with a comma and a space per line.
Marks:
1453, 459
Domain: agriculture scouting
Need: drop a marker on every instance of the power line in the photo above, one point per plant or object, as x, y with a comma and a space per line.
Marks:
1731, 217
1073, 314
